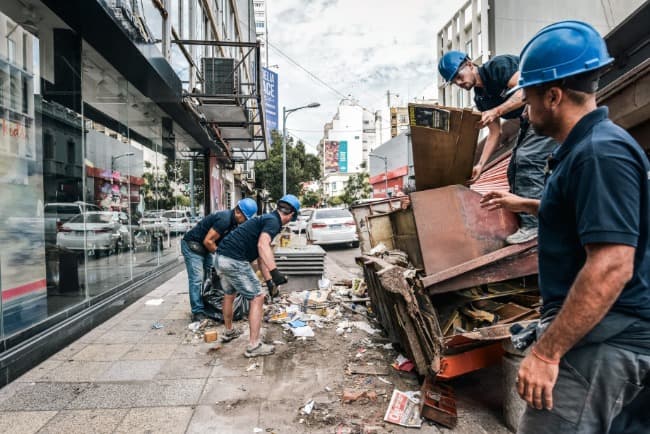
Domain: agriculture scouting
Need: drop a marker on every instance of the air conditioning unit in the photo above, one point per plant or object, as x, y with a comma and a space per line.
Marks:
220, 77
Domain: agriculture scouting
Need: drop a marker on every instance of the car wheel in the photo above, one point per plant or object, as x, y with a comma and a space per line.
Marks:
355, 244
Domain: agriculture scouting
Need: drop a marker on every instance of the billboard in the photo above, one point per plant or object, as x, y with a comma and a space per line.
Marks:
336, 156
270, 91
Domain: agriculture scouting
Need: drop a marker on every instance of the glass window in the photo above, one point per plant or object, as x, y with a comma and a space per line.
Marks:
11, 50
332, 214
479, 44
468, 49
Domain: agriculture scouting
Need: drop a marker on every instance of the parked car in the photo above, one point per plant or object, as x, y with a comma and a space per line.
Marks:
178, 221
57, 213
95, 232
332, 226
153, 221
301, 224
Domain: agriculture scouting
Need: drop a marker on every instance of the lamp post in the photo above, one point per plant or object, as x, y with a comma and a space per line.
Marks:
285, 115
117, 157
385, 170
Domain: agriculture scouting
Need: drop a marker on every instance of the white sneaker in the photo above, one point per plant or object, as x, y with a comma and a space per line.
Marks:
522, 235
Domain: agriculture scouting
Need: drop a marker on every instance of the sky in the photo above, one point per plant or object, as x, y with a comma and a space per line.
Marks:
361, 48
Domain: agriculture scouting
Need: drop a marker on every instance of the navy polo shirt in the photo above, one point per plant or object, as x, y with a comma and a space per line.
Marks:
597, 191
495, 74
222, 222
241, 244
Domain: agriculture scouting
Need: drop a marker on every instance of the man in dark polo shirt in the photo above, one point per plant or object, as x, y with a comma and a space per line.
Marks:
199, 244
249, 242
491, 82
589, 371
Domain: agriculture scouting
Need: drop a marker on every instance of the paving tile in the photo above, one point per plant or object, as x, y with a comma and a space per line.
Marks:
69, 351
169, 392
238, 419
184, 368
133, 325
39, 371
234, 388
168, 420
85, 421
103, 352
76, 371
119, 337
163, 336
192, 351
236, 367
24, 422
106, 395
43, 396
145, 351
132, 370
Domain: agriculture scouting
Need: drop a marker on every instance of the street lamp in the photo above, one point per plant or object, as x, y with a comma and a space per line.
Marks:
117, 157
285, 115
385, 170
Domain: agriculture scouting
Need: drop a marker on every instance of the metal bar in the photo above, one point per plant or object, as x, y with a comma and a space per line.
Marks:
217, 43
219, 96
213, 25
186, 53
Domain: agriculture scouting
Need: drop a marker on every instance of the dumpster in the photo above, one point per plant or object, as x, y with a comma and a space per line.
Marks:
453, 305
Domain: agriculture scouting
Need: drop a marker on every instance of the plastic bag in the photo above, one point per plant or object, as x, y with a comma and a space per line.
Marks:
212, 295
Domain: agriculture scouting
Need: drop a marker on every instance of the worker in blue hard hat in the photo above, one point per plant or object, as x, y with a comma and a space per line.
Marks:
589, 371
249, 242
199, 244
491, 83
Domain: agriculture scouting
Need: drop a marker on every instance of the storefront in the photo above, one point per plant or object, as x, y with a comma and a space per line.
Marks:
84, 155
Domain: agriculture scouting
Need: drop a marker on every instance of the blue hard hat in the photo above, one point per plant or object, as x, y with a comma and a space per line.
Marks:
450, 64
559, 51
292, 201
248, 207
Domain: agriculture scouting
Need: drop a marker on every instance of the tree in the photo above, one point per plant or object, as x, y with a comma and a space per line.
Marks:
310, 199
357, 187
301, 167
335, 201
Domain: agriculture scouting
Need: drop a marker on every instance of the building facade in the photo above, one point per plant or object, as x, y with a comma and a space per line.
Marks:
391, 166
106, 122
487, 28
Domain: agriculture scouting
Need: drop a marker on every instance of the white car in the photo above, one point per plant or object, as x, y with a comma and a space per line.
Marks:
153, 221
178, 221
95, 232
300, 225
332, 226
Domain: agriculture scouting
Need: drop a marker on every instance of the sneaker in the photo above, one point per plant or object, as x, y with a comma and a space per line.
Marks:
522, 235
260, 349
199, 317
230, 335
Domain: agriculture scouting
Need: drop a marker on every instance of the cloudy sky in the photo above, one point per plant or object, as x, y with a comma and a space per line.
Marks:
358, 47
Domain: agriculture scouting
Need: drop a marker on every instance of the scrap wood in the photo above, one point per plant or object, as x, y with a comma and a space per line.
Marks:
367, 369
355, 395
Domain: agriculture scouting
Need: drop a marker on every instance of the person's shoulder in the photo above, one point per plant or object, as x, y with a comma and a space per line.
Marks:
502, 60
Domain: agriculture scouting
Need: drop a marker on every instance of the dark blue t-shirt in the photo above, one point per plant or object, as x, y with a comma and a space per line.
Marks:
222, 222
495, 74
241, 244
597, 191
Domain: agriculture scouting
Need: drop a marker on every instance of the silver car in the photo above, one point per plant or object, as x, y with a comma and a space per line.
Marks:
332, 226
178, 221
95, 232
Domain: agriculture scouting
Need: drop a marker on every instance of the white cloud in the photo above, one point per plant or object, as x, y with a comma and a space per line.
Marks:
359, 47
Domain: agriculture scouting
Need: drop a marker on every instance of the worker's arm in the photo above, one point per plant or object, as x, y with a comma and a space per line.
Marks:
601, 280
511, 202
210, 240
491, 142
266, 261
515, 101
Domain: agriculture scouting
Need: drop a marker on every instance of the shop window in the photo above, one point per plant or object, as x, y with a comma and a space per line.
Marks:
48, 146
71, 152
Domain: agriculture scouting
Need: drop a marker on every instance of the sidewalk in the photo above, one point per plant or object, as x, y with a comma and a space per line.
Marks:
125, 377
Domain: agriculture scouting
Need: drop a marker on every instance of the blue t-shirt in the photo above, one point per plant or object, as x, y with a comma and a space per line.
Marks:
222, 222
241, 244
495, 74
597, 191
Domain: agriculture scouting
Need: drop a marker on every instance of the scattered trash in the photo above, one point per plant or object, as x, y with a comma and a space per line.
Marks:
328, 389
278, 342
253, 367
359, 287
388, 346
340, 331
383, 380
355, 395
403, 364
439, 403
361, 325
154, 302
306, 332
324, 284
242, 388
256, 430
404, 409
301, 421
279, 318
297, 323
157, 325
368, 370
210, 336
307, 409
194, 326
378, 250
309, 298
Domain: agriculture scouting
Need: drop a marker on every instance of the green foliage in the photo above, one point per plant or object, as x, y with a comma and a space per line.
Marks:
357, 187
301, 167
310, 199
335, 201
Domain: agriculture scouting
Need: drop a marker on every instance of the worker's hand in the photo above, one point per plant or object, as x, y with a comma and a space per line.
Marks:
502, 199
535, 382
273, 288
476, 173
278, 278
489, 116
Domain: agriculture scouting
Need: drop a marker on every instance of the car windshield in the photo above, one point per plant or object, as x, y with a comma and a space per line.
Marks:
305, 214
332, 214
93, 217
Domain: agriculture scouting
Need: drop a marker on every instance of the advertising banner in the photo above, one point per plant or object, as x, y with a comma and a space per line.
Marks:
331, 156
270, 91
343, 157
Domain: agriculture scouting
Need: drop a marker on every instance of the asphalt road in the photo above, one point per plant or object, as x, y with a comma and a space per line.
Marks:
344, 256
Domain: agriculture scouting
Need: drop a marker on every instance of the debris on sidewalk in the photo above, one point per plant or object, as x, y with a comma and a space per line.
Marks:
404, 409
368, 369
307, 409
361, 325
355, 395
253, 367
439, 403
303, 332
157, 325
403, 364
154, 302
210, 335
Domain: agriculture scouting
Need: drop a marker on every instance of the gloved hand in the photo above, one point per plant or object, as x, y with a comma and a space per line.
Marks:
273, 288
278, 278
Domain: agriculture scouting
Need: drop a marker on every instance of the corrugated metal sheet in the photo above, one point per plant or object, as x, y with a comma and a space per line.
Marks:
495, 178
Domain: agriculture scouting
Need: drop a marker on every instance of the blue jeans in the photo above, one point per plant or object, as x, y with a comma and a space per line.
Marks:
526, 169
198, 268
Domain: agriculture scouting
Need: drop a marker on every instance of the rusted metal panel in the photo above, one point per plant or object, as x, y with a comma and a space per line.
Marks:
495, 178
443, 152
453, 228
380, 229
362, 211
455, 365
438, 403
405, 236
